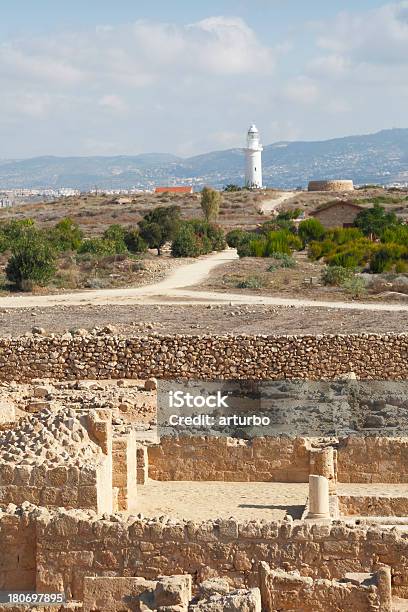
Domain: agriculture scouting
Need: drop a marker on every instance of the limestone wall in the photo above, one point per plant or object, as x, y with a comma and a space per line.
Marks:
281, 459
70, 545
291, 591
211, 458
370, 356
18, 560
71, 487
373, 459
373, 505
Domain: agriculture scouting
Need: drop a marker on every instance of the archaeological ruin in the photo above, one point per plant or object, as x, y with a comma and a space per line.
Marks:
105, 502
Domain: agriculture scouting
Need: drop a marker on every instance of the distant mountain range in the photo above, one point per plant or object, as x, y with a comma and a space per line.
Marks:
373, 158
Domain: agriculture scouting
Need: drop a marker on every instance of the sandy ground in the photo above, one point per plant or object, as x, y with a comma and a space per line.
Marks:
200, 501
198, 319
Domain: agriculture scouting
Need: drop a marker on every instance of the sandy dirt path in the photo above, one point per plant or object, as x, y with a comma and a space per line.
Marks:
268, 206
174, 290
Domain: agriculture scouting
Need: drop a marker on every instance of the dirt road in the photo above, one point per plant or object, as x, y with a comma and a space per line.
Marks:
174, 290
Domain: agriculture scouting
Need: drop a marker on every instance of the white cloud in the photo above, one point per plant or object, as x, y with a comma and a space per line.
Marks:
379, 36
302, 90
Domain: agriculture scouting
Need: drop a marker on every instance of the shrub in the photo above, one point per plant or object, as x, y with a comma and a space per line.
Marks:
115, 233
210, 203
355, 286
251, 282
335, 275
231, 187
33, 262
282, 260
401, 266
13, 231
66, 235
353, 254
237, 236
134, 241
186, 243
386, 256
98, 246
311, 229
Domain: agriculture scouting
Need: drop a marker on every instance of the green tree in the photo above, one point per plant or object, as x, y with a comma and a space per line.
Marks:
32, 262
374, 221
160, 226
210, 203
134, 242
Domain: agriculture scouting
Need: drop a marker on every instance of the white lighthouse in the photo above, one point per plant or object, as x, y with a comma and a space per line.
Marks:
253, 153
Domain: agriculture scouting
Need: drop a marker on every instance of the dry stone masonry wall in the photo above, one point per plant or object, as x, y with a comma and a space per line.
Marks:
333, 185
69, 357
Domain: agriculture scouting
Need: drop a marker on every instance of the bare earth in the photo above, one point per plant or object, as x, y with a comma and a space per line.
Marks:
198, 319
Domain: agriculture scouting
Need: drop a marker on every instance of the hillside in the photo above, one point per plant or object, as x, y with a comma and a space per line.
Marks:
374, 158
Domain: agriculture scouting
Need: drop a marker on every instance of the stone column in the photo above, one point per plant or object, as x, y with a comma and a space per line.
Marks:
318, 498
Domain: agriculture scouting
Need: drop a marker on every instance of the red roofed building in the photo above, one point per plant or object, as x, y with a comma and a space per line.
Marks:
173, 190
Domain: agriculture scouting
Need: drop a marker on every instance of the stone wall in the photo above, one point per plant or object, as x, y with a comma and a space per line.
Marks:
67, 546
370, 356
337, 215
331, 185
373, 505
373, 459
291, 591
71, 487
278, 459
229, 459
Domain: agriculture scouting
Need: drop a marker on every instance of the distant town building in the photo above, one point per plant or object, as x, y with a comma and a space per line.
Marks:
253, 159
174, 189
337, 214
5, 202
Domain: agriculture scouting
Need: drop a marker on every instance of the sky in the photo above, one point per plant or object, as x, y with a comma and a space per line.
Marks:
186, 77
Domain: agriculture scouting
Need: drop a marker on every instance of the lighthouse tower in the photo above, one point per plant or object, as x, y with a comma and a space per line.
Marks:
253, 153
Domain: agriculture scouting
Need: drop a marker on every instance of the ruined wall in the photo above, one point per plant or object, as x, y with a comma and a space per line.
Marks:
124, 470
71, 486
291, 591
373, 459
210, 458
70, 547
370, 356
66, 546
281, 459
18, 552
372, 505
331, 185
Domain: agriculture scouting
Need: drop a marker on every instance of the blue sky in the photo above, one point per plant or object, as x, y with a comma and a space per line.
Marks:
125, 77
